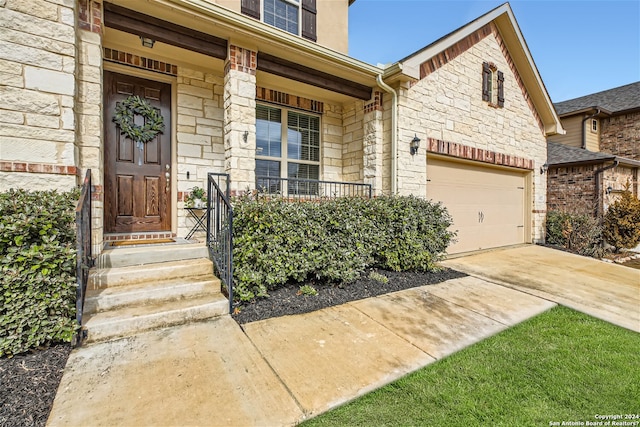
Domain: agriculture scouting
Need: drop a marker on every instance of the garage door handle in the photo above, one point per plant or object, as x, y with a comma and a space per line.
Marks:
480, 217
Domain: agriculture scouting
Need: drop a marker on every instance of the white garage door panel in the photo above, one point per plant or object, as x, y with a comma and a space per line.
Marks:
487, 204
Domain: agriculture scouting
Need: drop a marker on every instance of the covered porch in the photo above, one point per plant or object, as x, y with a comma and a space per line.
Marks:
274, 112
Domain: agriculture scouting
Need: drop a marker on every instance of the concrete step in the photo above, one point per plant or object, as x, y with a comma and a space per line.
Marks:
100, 278
112, 298
140, 255
128, 321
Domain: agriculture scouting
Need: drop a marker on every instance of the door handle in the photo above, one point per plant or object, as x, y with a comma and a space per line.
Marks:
167, 175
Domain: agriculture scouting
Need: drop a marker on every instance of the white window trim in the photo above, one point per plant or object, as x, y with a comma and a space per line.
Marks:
296, 3
594, 123
284, 146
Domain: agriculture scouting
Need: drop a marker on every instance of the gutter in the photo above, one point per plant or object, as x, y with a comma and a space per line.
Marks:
394, 133
584, 134
598, 174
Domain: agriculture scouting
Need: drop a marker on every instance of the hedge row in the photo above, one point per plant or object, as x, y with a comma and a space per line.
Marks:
277, 241
37, 269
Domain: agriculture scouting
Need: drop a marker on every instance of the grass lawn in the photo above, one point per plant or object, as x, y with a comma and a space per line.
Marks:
559, 366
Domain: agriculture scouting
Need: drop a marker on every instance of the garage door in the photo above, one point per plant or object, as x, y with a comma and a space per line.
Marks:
487, 204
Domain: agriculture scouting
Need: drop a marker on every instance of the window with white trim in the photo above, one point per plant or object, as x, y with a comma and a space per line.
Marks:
287, 146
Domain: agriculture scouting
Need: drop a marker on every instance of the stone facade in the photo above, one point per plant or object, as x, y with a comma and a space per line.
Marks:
38, 66
446, 105
619, 179
620, 135
352, 143
199, 134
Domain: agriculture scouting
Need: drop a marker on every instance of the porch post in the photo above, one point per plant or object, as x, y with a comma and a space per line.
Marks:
88, 110
372, 143
240, 118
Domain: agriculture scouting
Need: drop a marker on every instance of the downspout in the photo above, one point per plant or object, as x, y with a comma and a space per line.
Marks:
394, 133
584, 134
598, 174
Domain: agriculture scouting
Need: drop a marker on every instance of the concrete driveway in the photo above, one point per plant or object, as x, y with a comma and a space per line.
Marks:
607, 291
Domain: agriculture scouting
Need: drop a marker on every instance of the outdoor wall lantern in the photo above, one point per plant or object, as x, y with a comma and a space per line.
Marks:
415, 144
147, 42
609, 190
544, 168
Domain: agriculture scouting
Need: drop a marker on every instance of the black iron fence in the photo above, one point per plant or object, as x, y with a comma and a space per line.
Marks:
220, 229
84, 260
310, 189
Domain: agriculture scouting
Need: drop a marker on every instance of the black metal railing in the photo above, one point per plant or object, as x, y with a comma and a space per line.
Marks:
310, 189
220, 229
84, 260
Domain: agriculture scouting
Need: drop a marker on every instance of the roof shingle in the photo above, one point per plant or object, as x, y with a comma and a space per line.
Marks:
614, 100
558, 154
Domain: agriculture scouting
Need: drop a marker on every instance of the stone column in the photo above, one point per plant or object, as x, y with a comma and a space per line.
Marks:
88, 109
239, 127
373, 143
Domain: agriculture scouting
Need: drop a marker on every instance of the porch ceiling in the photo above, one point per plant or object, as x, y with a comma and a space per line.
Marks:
295, 58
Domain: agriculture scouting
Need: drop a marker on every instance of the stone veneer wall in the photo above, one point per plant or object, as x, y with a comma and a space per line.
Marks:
200, 144
37, 89
620, 135
446, 104
331, 139
352, 148
617, 178
572, 189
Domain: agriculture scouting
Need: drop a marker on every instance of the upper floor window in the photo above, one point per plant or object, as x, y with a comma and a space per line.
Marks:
492, 85
283, 14
594, 125
295, 16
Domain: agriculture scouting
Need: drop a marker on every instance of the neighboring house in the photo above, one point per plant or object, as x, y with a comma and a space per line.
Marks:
600, 153
265, 88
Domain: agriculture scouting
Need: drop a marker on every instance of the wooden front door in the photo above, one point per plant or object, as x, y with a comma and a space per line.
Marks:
137, 187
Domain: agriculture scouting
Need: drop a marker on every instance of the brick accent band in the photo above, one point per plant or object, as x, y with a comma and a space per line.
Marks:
375, 104
90, 15
37, 168
119, 57
449, 54
241, 59
477, 154
282, 98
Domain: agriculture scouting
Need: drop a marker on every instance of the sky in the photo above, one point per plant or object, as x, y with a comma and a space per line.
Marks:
580, 47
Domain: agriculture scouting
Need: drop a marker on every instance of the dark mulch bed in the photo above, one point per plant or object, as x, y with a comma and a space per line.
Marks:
285, 300
29, 384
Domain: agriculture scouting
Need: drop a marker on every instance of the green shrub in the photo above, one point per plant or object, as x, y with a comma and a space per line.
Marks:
276, 241
37, 269
622, 222
578, 233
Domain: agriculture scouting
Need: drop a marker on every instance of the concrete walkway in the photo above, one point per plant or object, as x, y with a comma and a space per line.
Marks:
283, 370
